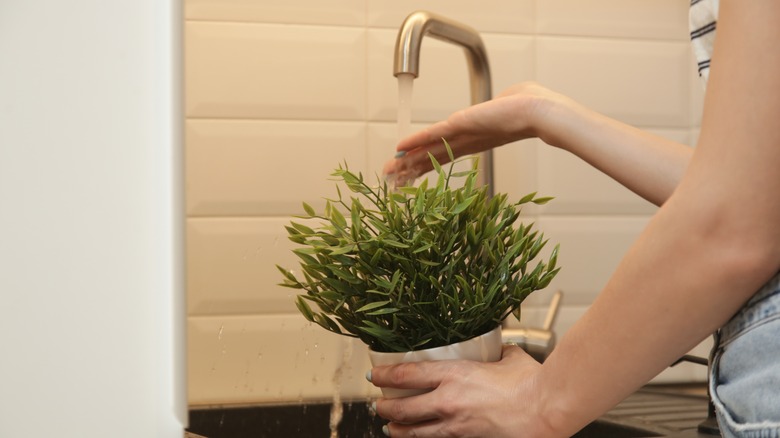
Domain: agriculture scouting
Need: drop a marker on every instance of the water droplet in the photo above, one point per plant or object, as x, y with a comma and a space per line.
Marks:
306, 352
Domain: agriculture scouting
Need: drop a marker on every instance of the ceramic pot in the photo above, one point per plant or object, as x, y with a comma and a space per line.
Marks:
483, 348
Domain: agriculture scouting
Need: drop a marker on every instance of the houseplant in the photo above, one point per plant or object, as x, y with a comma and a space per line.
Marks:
416, 267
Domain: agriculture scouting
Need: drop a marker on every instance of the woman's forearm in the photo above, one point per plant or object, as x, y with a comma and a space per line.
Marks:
681, 280
649, 165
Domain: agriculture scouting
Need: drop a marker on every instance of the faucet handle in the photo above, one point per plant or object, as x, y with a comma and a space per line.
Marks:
538, 342
552, 311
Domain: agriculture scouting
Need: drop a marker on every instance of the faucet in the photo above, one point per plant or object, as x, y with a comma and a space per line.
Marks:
407, 61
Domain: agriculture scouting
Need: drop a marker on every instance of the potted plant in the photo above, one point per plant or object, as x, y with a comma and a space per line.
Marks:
417, 268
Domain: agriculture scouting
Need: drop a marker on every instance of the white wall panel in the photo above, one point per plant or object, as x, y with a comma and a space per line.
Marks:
91, 220
241, 70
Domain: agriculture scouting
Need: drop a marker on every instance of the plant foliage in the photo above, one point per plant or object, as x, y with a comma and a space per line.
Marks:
417, 267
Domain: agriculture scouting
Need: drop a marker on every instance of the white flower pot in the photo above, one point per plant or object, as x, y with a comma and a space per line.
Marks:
483, 348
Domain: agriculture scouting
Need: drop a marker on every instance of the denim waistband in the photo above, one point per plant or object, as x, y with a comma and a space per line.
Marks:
762, 307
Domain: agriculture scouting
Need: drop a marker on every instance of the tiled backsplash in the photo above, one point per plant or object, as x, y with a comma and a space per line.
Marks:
279, 93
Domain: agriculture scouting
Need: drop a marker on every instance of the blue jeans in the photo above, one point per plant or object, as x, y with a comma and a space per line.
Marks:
745, 374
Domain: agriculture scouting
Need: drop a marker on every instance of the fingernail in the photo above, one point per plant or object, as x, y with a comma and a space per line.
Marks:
400, 154
373, 406
368, 375
386, 430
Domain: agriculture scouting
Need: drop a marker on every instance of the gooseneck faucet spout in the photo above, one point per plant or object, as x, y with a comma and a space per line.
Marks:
407, 60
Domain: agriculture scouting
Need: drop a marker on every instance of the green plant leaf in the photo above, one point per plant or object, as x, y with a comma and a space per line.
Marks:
309, 210
372, 306
384, 311
302, 228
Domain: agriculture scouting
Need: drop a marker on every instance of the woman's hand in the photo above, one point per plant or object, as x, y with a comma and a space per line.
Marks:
470, 399
649, 165
508, 117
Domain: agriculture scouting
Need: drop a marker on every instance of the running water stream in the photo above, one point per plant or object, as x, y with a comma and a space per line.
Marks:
405, 82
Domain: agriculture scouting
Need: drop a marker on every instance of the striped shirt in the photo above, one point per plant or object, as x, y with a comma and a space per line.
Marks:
702, 19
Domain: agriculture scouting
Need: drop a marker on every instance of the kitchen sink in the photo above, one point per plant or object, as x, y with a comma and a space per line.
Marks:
604, 428
668, 411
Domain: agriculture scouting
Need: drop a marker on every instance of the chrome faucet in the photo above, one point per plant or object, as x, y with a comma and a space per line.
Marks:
407, 60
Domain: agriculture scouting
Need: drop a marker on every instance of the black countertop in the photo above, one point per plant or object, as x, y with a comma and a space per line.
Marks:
673, 411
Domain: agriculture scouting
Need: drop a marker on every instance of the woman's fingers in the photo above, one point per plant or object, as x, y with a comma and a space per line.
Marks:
428, 429
413, 375
407, 410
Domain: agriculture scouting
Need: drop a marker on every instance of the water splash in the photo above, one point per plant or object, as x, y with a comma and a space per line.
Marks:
337, 409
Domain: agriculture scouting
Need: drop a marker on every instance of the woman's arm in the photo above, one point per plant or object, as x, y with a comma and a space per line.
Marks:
710, 247
649, 165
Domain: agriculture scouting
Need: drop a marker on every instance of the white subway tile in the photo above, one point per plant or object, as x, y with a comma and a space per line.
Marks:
231, 266
643, 83
271, 358
512, 59
507, 16
656, 19
333, 12
251, 167
241, 70
516, 171
579, 188
590, 250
